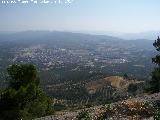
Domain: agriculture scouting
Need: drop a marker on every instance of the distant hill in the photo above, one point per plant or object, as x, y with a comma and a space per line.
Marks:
149, 35
116, 82
69, 38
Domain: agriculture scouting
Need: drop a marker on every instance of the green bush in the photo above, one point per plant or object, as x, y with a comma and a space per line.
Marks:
157, 114
83, 115
108, 113
157, 110
24, 99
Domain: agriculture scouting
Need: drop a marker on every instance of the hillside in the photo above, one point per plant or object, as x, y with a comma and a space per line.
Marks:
125, 105
114, 81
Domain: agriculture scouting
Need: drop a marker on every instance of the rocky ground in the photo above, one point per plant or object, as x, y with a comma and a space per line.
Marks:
138, 108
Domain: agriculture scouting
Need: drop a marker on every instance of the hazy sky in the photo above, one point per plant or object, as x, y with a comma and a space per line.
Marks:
83, 15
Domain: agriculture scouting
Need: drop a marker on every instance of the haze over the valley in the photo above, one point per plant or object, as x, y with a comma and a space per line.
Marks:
124, 18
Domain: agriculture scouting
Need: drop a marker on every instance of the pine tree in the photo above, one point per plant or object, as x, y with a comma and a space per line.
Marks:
24, 98
155, 82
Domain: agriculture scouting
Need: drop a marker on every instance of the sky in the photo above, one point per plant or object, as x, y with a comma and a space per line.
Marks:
128, 16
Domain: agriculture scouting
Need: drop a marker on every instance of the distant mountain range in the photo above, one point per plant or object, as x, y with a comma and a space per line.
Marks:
72, 38
149, 35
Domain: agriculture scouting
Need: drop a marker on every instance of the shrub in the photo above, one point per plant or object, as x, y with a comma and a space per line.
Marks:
83, 115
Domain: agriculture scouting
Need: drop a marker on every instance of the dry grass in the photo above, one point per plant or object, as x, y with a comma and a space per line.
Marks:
114, 81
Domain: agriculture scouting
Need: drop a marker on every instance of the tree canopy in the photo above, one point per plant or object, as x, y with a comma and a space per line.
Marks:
155, 82
23, 99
